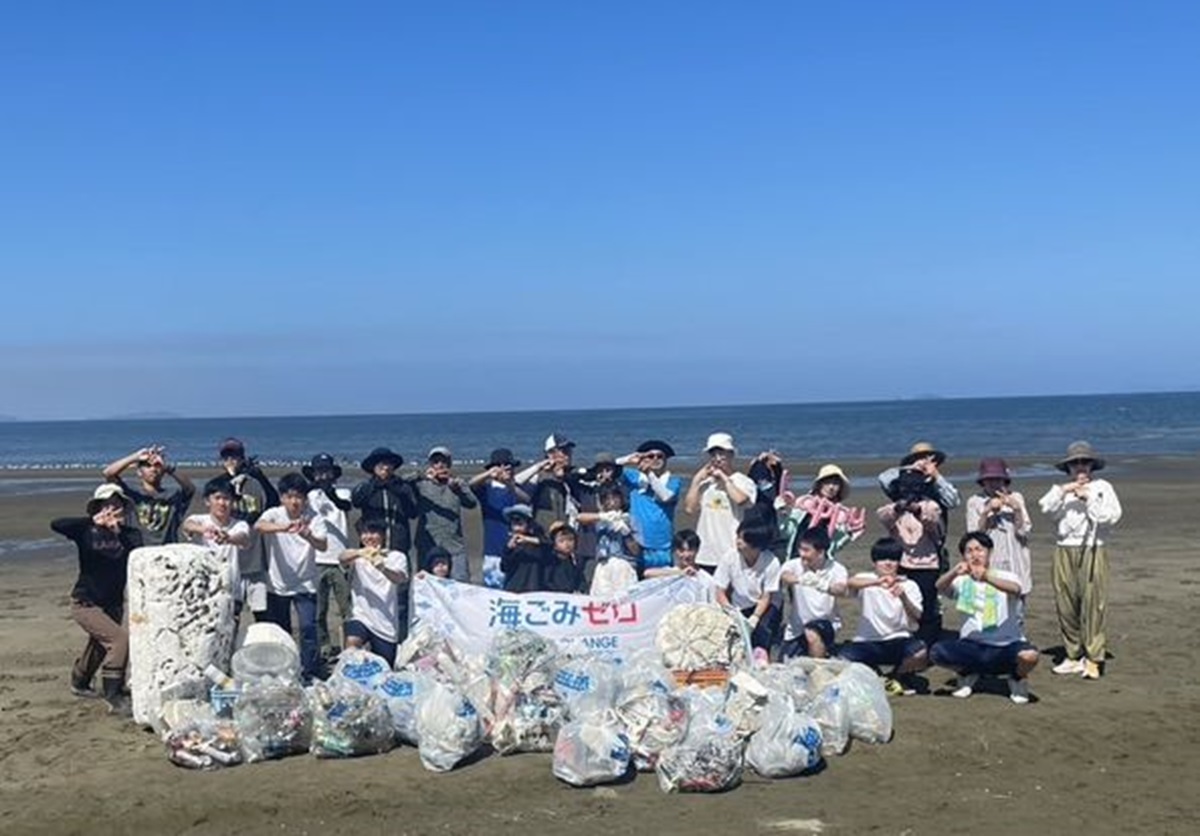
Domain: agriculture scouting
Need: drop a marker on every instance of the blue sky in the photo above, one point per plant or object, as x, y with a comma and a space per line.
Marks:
277, 208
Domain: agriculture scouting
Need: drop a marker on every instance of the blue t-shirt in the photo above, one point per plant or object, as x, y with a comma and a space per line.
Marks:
655, 519
492, 502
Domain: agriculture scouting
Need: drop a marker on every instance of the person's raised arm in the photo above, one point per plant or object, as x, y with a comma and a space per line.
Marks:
691, 502
947, 578
1012, 586
112, 472
1103, 507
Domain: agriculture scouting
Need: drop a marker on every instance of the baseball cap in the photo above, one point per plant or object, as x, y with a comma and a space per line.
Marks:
439, 451
558, 441
720, 441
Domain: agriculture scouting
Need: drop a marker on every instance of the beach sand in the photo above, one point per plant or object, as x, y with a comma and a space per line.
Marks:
1121, 755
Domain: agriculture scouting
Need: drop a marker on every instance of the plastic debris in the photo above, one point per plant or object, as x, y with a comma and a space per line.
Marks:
349, 721
273, 720
590, 751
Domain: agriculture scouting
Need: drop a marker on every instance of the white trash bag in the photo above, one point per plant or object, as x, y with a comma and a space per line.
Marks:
448, 726
867, 704
590, 751
787, 744
399, 693
360, 667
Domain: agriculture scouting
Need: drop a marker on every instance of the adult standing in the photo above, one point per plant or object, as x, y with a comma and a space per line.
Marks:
385, 498
441, 498
383, 495
104, 540
159, 511
553, 483
719, 497
1000, 512
332, 505
1085, 508
253, 494
927, 460
496, 489
653, 496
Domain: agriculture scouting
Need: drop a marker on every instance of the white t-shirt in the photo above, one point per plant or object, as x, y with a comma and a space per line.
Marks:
337, 526
746, 584
374, 600
225, 551
1007, 628
718, 519
291, 560
810, 599
883, 616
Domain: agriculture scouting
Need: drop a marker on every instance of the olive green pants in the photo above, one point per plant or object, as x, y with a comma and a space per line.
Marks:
1081, 597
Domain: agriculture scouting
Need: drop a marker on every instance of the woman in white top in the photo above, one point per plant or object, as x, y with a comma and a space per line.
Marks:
1085, 508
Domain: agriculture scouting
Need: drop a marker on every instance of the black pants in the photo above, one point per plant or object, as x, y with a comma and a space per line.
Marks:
930, 627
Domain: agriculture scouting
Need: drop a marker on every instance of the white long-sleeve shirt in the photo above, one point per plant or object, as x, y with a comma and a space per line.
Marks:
1083, 523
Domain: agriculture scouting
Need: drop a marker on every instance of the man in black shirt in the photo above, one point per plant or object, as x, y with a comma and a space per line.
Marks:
159, 511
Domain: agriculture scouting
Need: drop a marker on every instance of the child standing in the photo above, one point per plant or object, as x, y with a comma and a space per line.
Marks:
293, 535
525, 555
617, 548
562, 572
219, 530
375, 577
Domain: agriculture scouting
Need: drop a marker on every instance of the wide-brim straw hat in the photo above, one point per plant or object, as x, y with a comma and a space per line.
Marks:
1080, 451
920, 450
831, 471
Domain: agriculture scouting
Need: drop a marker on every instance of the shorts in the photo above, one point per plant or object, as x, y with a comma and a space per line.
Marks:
966, 656
252, 592
798, 646
876, 654
378, 646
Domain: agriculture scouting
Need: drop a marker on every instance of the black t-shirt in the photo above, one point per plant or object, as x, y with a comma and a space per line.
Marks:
103, 559
159, 514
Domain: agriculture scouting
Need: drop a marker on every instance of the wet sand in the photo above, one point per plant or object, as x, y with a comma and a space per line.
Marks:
1121, 755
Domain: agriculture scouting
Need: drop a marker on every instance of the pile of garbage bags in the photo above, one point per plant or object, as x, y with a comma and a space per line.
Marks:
604, 719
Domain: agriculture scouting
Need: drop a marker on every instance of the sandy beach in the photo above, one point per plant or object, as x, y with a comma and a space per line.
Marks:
1121, 755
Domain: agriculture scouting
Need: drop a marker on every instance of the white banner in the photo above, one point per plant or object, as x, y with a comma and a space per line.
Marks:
471, 616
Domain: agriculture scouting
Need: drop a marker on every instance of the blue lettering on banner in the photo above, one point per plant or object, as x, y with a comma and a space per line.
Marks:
565, 613
539, 619
506, 612
601, 642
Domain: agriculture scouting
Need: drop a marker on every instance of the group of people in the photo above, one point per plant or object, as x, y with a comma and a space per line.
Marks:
555, 526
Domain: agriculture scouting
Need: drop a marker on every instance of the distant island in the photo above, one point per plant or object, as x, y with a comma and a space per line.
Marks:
144, 416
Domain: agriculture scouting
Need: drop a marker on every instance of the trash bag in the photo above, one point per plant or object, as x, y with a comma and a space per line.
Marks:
348, 721
694, 637
654, 719
832, 713
789, 678
788, 742
398, 691
203, 745
710, 756
867, 704
591, 750
448, 727
273, 720
361, 668
524, 710
588, 685
745, 699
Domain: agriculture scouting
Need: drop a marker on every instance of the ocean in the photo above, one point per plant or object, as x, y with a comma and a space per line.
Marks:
1134, 425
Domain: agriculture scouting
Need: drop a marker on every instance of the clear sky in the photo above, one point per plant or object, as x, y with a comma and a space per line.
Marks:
235, 208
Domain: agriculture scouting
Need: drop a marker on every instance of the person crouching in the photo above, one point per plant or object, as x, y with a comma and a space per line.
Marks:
990, 640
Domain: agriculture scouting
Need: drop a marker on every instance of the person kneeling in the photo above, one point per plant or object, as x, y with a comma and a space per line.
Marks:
891, 611
375, 574
810, 582
990, 640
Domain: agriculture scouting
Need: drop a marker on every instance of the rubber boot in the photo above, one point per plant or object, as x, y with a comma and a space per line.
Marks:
118, 703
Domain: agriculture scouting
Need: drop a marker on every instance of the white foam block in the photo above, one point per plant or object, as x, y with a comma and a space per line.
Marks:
180, 621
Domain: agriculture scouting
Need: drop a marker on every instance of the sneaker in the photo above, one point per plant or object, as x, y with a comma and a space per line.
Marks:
1068, 667
893, 687
1018, 691
966, 686
907, 687
1090, 670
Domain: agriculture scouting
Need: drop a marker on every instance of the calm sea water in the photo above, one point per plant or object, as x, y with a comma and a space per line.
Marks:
1142, 424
